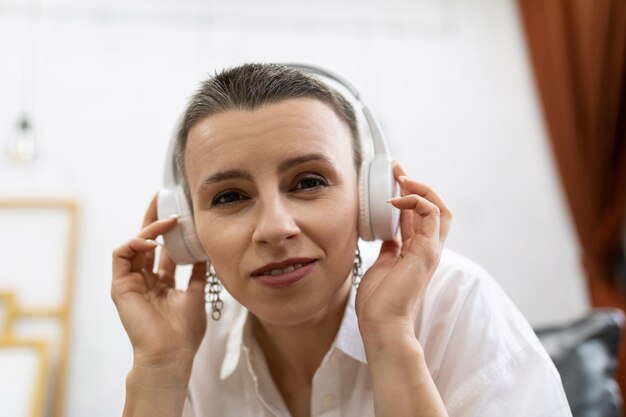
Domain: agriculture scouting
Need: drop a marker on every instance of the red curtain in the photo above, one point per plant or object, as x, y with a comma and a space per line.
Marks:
578, 52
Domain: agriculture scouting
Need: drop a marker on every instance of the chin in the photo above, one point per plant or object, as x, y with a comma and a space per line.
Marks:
293, 312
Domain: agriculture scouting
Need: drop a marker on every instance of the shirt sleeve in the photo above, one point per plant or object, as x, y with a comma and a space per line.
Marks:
483, 355
520, 386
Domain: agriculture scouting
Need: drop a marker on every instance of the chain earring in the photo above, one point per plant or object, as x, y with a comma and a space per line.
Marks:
357, 272
212, 293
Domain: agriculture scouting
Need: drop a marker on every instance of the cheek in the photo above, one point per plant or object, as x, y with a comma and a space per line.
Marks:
334, 222
338, 236
222, 240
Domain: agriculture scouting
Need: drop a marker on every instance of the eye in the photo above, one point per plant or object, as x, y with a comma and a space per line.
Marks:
311, 182
227, 197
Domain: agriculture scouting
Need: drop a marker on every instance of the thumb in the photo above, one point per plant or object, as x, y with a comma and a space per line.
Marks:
390, 249
197, 282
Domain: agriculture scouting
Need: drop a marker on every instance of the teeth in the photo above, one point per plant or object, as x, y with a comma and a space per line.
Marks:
286, 270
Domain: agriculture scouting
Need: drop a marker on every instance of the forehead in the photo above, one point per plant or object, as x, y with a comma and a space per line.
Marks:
268, 133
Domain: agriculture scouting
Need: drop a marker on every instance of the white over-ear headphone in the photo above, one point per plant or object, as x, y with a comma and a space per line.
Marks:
377, 218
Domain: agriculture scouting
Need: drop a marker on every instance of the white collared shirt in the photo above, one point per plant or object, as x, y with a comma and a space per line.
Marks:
483, 356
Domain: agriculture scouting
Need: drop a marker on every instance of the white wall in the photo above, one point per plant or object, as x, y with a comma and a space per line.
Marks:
450, 81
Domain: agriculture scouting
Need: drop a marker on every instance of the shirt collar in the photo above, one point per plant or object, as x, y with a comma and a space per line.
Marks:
348, 339
235, 342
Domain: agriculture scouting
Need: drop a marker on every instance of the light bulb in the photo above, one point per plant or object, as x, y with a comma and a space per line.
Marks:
22, 142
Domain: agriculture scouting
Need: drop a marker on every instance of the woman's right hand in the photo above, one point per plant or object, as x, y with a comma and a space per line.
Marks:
165, 325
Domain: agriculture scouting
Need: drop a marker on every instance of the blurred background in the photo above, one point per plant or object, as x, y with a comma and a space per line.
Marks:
90, 92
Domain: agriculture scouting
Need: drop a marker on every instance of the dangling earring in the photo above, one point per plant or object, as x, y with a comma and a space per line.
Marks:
357, 272
212, 293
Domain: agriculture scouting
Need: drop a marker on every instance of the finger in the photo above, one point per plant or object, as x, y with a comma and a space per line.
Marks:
132, 283
149, 261
167, 266
197, 281
150, 278
406, 224
167, 270
398, 170
389, 249
414, 187
166, 280
151, 212
151, 232
150, 216
406, 219
151, 256
157, 228
428, 212
444, 227
142, 260
139, 262
125, 256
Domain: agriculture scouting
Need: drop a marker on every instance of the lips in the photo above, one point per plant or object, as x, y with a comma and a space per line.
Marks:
283, 267
284, 274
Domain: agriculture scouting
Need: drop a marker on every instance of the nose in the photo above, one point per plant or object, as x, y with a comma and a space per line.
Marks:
276, 225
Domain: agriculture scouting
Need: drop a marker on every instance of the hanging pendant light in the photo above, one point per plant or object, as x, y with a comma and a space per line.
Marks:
22, 142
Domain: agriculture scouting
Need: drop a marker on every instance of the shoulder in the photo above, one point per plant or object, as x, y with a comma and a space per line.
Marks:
479, 348
465, 313
467, 297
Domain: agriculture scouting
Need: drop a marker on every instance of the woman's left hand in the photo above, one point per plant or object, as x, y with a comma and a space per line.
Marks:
391, 292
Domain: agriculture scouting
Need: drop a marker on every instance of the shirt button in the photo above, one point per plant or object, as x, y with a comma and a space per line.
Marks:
328, 400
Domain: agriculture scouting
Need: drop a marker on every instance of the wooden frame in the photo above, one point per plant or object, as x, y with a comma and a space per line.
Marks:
37, 404
8, 300
60, 312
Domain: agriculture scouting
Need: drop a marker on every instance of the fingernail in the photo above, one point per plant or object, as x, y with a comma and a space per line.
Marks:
402, 178
174, 216
392, 199
154, 242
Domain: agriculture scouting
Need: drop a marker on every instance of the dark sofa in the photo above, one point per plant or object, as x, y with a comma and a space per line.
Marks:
585, 354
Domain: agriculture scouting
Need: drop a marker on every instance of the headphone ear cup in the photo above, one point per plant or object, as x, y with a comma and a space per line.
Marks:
182, 241
364, 224
384, 218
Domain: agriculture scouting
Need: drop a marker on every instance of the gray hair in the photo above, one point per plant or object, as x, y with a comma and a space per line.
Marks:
250, 86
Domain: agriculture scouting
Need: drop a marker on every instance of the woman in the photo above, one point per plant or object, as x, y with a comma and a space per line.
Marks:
269, 158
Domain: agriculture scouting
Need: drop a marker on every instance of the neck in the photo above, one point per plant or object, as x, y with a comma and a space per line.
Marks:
297, 351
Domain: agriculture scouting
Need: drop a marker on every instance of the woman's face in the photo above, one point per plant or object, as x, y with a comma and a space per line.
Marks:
275, 203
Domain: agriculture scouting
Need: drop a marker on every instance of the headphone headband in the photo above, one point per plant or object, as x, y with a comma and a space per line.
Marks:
328, 74
378, 139
170, 174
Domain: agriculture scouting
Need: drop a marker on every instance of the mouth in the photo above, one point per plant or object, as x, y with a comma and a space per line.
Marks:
284, 274
281, 268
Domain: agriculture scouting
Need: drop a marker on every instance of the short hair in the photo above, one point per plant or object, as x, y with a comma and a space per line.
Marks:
250, 86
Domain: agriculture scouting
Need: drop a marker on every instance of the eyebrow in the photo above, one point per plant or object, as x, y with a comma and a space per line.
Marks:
226, 175
292, 162
245, 175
